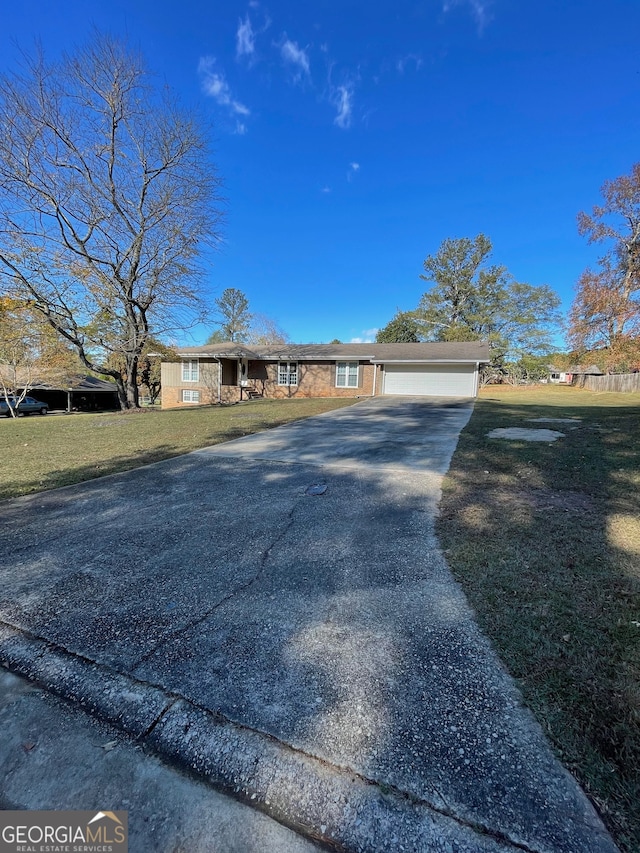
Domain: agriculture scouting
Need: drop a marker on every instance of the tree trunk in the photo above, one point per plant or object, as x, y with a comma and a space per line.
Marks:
122, 393
132, 396
132, 383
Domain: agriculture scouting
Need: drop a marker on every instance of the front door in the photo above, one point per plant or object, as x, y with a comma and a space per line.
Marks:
243, 372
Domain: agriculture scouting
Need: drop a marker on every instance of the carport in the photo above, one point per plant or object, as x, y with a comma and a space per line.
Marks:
88, 394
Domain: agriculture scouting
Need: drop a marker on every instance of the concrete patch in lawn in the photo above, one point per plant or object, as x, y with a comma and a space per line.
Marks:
310, 654
568, 421
522, 434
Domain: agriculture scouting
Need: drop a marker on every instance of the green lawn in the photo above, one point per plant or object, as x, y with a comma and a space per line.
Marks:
58, 450
545, 540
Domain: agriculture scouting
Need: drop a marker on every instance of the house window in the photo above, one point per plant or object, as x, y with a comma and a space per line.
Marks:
288, 373
190, 372
189, 396
347, 374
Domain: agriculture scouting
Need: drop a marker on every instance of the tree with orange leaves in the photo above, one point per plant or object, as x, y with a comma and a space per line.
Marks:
606, 310
30, 351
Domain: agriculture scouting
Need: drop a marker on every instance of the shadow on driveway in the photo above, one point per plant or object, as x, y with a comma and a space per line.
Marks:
318, 629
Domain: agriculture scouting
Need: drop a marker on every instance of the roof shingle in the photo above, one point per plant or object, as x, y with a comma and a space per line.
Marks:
469, 351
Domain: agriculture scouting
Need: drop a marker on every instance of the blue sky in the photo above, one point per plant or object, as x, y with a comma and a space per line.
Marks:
353, 138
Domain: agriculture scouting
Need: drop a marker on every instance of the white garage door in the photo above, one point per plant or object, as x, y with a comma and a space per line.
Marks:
446, 380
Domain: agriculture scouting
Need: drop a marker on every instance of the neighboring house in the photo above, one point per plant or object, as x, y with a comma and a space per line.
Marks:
559, 377
230, 372
574, 374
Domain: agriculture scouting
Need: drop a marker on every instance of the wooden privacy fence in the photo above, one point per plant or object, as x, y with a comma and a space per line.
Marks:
613, 382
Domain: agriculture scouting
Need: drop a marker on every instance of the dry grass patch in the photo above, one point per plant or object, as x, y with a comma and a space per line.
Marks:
545, 539
59, 450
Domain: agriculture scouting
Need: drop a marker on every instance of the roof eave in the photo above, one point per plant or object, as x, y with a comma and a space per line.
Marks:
373, 360
430, 360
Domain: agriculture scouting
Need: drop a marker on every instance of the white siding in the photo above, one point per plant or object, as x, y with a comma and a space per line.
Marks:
430, 380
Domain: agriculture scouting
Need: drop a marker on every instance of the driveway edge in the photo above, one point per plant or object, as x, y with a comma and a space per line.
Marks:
323, 802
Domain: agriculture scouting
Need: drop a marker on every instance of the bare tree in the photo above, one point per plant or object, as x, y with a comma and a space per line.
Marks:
107, 196
263, 331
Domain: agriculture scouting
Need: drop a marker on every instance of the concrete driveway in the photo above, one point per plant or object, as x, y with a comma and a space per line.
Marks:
275, 615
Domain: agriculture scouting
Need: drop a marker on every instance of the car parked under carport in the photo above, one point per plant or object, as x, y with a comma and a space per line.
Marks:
26, 406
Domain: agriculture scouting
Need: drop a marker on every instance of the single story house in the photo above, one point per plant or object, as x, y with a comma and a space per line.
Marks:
231, 372
569, 376
559, 377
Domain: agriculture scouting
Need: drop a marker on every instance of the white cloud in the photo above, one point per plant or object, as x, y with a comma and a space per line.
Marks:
245, 39
354, 168
479, 9
241, 128
215, 85
325, 190
343, 102
368, 337
295, 56
404, 61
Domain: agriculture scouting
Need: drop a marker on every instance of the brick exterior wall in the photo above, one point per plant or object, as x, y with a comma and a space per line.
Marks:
315, 379
207, 384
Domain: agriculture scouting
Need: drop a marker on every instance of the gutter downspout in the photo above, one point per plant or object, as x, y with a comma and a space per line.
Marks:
219, 379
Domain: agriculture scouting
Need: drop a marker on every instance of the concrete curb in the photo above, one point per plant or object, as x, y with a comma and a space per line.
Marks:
323, 802
131, 705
